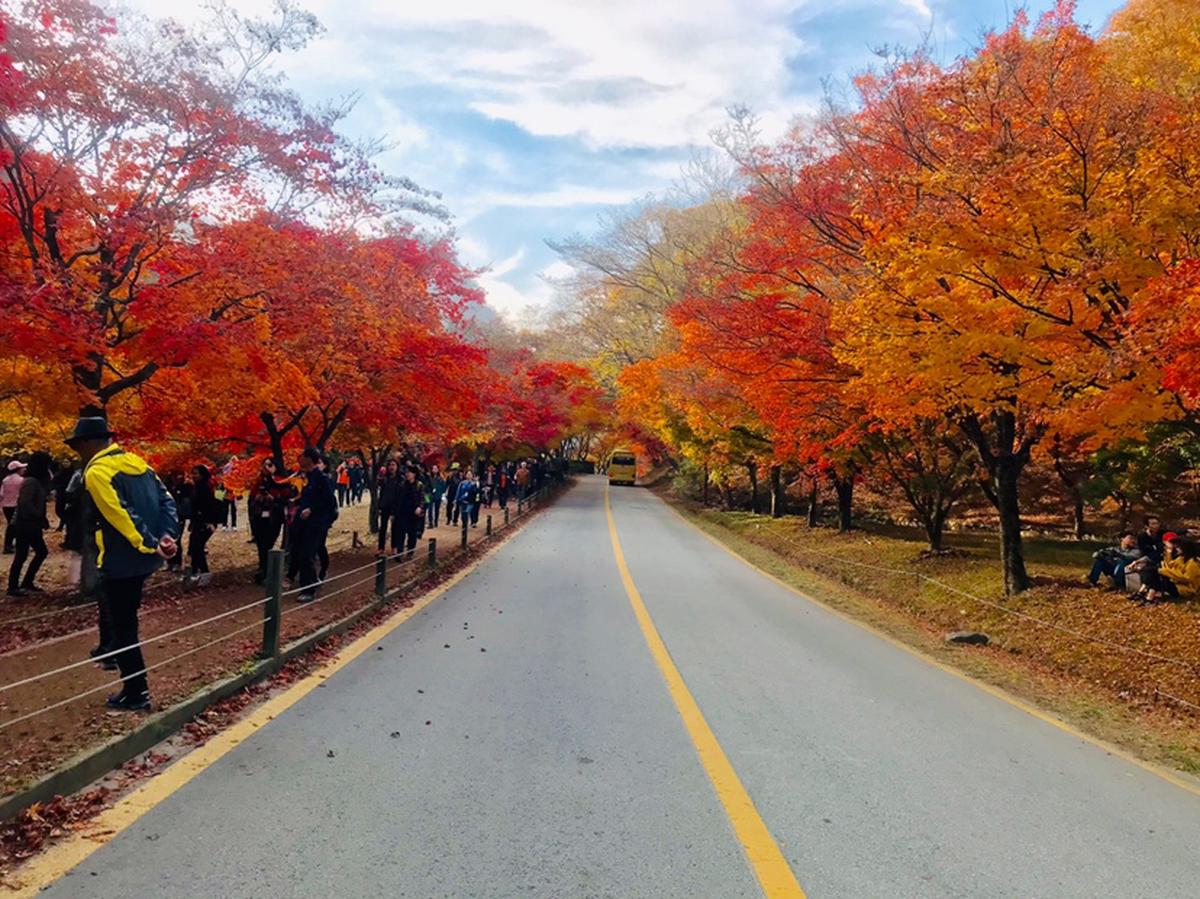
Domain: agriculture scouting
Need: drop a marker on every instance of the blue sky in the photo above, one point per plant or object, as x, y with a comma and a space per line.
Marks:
535, 117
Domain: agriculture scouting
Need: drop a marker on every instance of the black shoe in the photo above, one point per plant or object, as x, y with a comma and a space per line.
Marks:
306, 597
129, 702
15, 591
99, 651
109, 665
30, 588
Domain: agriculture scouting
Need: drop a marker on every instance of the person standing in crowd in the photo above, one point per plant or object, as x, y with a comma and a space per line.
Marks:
269, 498
323, 548
59, 483
468, 499
231, 501
437, 490
136, 529
502, 485
181, 492
453, 482
343, 484
358, 477
386, 493
409, 521
10, 490
28, 522
207, 512
522, 480
221, 507
72, 512
316, 510
490, 485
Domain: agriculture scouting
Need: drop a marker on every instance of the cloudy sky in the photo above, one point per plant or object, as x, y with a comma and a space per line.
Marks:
534, 117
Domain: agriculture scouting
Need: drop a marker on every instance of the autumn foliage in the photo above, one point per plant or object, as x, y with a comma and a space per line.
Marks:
189, 248
970, 269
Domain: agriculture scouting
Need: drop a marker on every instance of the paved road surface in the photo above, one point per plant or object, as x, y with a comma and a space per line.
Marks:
555, 764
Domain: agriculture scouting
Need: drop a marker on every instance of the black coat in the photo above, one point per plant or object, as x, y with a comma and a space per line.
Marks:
389, 489
205, 508
318, 497
409, 498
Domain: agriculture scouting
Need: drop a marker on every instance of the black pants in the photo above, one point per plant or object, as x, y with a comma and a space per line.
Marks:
232, 513
432, 512
27, 540
9, 536
406, 533
306, 546
323, 553
266, 532
384, 519
196, 548
123, 597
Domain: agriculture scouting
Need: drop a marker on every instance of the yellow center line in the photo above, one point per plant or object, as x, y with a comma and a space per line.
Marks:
1183, 782
770, 867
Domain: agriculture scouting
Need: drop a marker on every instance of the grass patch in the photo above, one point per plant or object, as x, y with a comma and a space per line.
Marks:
1111, 683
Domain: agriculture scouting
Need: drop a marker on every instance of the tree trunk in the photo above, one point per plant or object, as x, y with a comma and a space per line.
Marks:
1005, 457
1012, 554
777, 495
844, 487
812, 504
704, 489
935, 527
1077, 507
752, 471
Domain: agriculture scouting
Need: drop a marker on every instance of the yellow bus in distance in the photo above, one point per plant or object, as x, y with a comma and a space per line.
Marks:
622, 467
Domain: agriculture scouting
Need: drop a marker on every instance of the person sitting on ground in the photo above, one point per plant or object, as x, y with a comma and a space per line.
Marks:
1112, 560
1178, 577
1150, 540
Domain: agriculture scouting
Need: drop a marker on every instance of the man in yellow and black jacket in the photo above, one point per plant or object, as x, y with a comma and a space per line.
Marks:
136, 528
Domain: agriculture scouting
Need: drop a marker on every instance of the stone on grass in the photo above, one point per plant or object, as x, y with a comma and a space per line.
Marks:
970, 638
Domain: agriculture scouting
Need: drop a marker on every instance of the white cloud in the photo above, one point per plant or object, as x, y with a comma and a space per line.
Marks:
614, 73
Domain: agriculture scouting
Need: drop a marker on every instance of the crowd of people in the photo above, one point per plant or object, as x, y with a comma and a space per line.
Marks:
139, 522
1152, 565
412, 495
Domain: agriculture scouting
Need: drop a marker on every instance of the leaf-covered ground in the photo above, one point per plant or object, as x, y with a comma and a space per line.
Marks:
1091, 654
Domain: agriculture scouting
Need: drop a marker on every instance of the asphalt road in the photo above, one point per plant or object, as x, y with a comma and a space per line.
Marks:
555, 764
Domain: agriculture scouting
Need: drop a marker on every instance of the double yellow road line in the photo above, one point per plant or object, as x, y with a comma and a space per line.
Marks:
762, 852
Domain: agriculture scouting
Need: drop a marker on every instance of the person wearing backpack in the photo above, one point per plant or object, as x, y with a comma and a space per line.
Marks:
136, 530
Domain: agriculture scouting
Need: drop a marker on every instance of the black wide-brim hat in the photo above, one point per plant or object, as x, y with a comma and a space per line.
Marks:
90, 427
